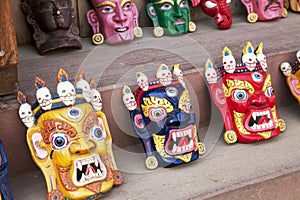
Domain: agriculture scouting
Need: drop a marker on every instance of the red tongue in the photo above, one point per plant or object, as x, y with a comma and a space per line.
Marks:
183, 142
89, 170
263, 120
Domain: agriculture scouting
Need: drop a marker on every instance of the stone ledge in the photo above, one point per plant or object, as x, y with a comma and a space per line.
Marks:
234, 171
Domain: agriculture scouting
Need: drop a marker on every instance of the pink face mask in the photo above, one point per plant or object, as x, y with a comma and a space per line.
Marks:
116, 20
264, 10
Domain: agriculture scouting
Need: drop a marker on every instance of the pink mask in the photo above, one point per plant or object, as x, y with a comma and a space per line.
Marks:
264, 10
116, 20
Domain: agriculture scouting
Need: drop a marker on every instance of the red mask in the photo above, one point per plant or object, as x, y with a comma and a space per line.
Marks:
219, 9
246, 101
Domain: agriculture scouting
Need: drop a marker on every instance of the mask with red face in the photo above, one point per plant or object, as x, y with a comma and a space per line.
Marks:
245, 97
219, 9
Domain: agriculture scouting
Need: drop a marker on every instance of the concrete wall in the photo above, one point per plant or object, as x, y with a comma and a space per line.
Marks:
23, 30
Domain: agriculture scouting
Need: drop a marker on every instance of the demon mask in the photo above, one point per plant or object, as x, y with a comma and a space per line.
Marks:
292, 75
71, 143
219, 9
161, 114
245, 99
115, 21
170, 16
264, 10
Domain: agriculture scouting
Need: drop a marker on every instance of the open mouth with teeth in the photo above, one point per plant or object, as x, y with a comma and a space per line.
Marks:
181, 141
120, 30
89, 169
260, 121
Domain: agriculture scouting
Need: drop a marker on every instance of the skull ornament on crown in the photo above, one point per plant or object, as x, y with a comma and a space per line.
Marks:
292, 76
115, 21
264, 10
162, 117
170, 16
245, 99
70, 141
5, 192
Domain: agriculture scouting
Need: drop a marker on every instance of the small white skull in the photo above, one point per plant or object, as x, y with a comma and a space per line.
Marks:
249, 59
129, 101
262, 60
43, 96
179, 74
298, 56
164, 75
66, 92
86, 90
96, 99
286, 68
142, 81
26, 114
211, 75
229, 63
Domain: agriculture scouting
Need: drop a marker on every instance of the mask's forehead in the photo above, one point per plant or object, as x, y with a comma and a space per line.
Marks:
256, 79
172, 93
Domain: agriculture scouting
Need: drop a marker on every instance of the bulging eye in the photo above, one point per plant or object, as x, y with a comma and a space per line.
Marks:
188, 107
96, 133
269, 92
228, 1
210, 4
239, 95
127, 6
157, 114
166, 6
171, 91
107, 9
257, 77
183, 4
59, 141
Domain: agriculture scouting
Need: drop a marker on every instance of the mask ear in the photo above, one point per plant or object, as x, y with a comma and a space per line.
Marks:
135, 14
93, 20
152, 14
41, 156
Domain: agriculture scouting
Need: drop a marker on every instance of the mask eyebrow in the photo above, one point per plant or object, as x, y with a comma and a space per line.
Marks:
106, 3
165, 1
124, 2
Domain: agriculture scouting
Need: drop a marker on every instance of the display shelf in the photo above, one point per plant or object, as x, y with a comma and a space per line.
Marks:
224, 168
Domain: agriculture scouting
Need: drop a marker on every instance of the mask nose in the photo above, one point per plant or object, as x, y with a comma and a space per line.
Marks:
119, 16
81, 146
258, 99
177, 10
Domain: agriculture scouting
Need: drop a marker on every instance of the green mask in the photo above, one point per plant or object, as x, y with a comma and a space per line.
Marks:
171, 15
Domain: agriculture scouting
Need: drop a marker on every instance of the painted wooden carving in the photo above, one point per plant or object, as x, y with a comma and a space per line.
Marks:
69, 139
293, 4
219, 9
244, 95
292, 75
115, 21
161, 115
5, 193
170, 17
264, 10
53, 25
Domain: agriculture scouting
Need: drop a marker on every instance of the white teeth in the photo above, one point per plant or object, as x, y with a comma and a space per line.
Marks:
79, 166
174, 148
254, 115
174, 137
